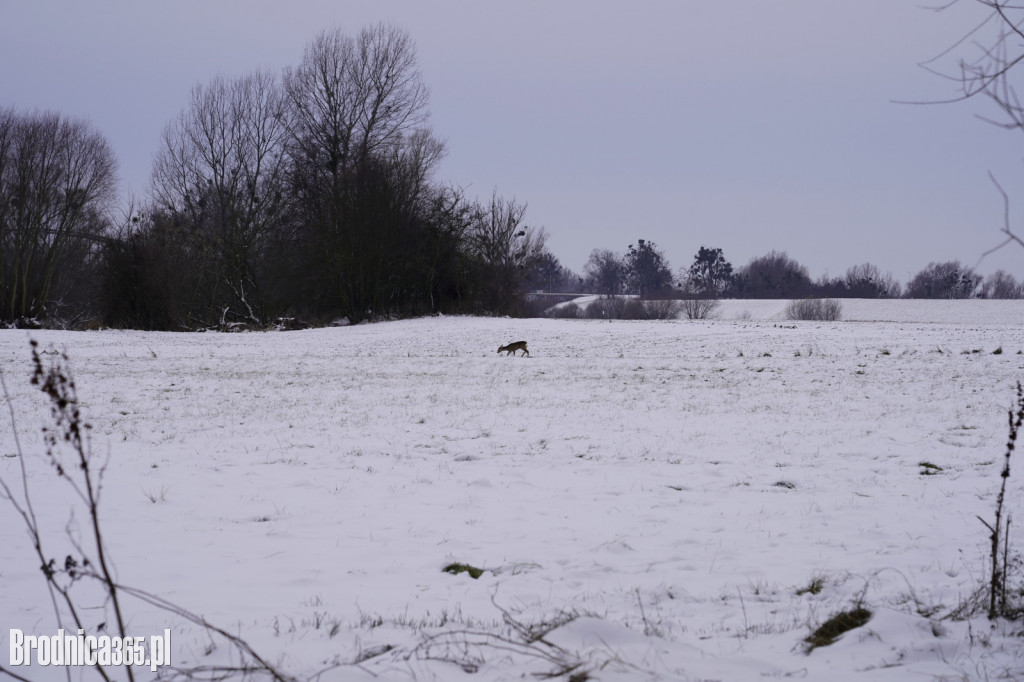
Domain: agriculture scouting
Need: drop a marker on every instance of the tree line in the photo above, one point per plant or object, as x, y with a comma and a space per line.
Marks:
311, 195
308, 194
644, 270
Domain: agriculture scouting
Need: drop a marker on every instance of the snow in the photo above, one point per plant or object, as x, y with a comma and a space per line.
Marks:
646, 498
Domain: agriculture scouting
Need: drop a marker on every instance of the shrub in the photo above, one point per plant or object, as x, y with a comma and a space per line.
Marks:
633, 309
699, 308
569, 311
821, 309
610, 308
663, 308
599, 309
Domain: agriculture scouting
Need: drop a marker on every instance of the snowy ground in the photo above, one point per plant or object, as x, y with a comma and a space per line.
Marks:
663, 490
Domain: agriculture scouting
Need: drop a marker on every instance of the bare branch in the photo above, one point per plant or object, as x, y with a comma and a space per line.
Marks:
1011, 237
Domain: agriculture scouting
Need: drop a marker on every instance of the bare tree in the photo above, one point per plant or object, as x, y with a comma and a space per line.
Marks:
944, 280
442, 263
412, 159
505, 250
1001, 284
221, 171
775, 275
57, 180
548, 273
996, 51
605, 272
352, 96
361, 158
867, 281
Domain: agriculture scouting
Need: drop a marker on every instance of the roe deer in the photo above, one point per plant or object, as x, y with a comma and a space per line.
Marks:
511, 348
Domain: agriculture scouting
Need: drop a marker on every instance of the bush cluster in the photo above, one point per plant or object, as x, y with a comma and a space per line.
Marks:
821, 309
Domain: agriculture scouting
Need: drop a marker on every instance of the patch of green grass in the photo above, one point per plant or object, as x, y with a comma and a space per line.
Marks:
929, 469
842, 622
458, 568
785, 484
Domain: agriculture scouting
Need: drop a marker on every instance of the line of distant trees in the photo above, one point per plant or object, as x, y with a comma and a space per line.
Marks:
645, 271
310, 195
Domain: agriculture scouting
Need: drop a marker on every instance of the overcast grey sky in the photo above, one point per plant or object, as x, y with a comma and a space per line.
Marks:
746, 125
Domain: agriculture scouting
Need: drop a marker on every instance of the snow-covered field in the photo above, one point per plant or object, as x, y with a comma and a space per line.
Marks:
657, 494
